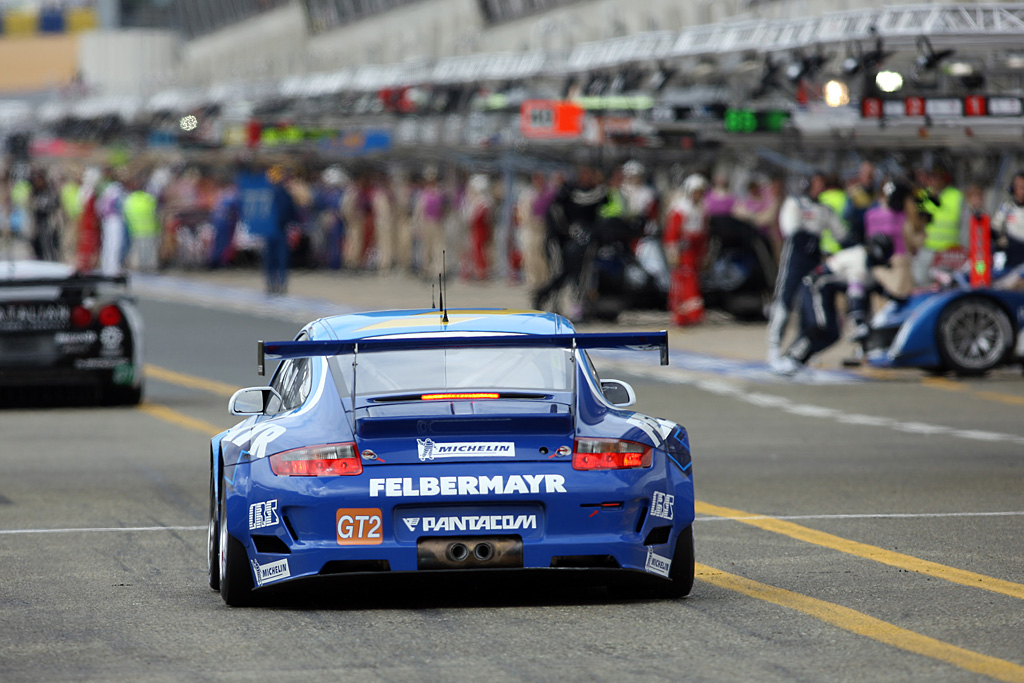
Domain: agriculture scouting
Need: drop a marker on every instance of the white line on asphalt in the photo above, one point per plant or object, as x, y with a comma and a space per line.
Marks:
11, 532
874, 515
723, 388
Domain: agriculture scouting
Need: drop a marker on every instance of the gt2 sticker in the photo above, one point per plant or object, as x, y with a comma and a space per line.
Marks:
662, 505
398, 487
359, 526
656, 564
263, 515
268, 573
473, 523
429, 449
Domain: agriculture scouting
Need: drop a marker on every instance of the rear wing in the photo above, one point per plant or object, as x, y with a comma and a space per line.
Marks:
70, 282
636, 341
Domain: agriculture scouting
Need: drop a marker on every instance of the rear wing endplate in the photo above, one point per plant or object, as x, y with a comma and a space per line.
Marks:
635, 341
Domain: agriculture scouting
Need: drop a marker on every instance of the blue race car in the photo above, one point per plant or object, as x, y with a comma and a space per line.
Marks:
429, 441
963, 330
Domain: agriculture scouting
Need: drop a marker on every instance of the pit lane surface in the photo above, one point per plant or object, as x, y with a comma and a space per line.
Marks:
898, 555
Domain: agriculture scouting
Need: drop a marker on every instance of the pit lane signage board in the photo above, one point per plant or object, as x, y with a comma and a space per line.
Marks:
972, 106
550, 119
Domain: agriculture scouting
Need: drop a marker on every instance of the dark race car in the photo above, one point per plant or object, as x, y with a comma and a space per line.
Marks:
401, 441
63, 334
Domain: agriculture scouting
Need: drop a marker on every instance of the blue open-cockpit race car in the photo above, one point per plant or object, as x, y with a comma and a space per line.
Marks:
456, 441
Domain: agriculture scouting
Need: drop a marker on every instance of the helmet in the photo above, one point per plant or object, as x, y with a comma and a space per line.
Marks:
633, 168
880, 249
334, 176
693, 183
479, 183
895, 193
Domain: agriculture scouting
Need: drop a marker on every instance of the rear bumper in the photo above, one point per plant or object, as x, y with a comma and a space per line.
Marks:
601, 521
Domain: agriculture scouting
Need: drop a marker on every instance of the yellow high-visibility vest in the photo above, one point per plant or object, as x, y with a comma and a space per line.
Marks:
140, 214
943, 232
834, 199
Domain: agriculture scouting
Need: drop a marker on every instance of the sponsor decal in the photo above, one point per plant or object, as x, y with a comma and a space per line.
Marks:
111, 339
268, 573
473, 523
662, 505
75, 338
656, 564
359, 526
262, 515
431, 450
403, 487
124, 374
17, 317
99, 363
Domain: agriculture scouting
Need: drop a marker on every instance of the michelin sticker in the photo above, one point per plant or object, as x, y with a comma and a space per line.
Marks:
262, 515
656, 564
404, 487
431, 450
662, 505
268, 573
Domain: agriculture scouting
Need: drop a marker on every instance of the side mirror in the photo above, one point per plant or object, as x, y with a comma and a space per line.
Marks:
618, 393
251, 400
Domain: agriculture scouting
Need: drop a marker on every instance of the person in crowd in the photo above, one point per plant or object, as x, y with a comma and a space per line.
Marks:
44, 205
685, 241
88, 246
109, 207
571, 218
70, 212
405, 189
327, 204
227, 211
889, 217
802, 220
1008, 225
943, 205
719, 201
428, 223
861, 195
143, 227
760, 208
283, 213
479, 216
849, 272
834, 198
532, 231
640, 201
385, 234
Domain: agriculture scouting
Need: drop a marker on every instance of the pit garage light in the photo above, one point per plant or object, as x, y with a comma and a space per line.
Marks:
889, 81
836, 94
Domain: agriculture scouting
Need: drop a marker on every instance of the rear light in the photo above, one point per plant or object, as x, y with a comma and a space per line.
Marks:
109, 315
610, 454
448, 397
332, 460
80, 316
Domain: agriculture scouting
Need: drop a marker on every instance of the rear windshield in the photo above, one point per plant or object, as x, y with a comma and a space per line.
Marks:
507, 369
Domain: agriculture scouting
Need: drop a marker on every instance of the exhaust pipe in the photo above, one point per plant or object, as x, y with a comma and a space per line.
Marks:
457, 552
467, 552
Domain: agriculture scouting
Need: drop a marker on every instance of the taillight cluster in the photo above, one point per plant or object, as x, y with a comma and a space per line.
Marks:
106, 316
610, 454
331, 460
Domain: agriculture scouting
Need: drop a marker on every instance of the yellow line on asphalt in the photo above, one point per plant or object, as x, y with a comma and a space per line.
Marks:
166, 414
950, 385
190, 381
869, 552
867, 626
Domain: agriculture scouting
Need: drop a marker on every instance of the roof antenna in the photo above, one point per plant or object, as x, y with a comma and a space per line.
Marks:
442, 277
432, 299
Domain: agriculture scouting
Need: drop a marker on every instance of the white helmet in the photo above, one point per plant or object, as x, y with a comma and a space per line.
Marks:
633, 168
334, 176
693, 183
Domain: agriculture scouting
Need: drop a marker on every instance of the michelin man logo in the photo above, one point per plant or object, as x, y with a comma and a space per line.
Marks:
426, 448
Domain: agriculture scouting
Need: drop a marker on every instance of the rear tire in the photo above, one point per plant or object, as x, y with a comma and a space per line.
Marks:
680, 574
213, 541
116, 395
973, 335
236, 587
